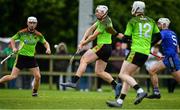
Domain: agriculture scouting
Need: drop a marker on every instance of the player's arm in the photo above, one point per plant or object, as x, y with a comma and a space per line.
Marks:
13, 45
90, 38
122, 37
48, 49
156, 38
112, 31
45, 43
178, 49
89, 31
12, 42
127, 37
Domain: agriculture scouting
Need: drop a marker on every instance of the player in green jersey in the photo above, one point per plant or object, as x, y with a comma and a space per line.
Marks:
102, 30
141, 29
25, 54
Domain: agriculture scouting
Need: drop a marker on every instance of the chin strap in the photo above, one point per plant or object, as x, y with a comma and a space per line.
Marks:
105, 14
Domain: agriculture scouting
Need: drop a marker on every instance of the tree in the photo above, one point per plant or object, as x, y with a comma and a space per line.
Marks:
58, 19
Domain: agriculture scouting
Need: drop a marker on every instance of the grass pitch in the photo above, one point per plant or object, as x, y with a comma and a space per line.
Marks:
71, 99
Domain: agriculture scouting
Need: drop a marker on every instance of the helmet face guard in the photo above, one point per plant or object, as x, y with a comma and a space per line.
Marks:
101, 11
138, 6
32, 23
164, 21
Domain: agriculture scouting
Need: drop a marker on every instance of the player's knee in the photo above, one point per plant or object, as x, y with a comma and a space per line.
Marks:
178, 77
152, 71
121, 76
37, 77
98, 72
83, 60
13, 76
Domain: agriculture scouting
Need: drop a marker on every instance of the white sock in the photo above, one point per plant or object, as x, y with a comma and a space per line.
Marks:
140, 90
119, 101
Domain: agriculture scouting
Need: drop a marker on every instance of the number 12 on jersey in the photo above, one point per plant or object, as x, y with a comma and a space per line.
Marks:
145, 29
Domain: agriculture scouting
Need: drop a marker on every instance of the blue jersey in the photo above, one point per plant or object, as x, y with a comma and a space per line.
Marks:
169, 42
169, 45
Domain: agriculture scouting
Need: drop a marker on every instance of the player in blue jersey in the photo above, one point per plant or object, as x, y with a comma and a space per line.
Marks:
169, 43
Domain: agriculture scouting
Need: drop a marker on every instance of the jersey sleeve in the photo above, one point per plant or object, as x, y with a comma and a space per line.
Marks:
16, 36
108, 23
42, 39
128, 31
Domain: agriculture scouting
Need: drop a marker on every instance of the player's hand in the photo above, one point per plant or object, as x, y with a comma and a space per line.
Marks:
48, 51
120, 35
160, 58
81, 44
15, 50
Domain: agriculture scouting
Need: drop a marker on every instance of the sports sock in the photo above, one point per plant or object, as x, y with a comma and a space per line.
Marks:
156, 90
138, 89
113, 83
122, 96
75, 79
34, 91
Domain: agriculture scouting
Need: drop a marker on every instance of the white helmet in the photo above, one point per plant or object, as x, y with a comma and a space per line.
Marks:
102, 8
164, 21
138, 6
32, 19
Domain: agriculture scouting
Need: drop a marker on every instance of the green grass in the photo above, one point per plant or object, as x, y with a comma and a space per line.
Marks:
71, 99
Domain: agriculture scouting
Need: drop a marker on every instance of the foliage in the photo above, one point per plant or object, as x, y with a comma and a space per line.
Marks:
58, 19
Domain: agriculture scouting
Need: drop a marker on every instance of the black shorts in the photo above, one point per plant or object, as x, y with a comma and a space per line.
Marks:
137, 58
25, 62
103, 51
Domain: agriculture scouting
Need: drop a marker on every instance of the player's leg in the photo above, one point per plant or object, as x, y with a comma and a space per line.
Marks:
87, 58
125, 87
128, 68
36, 82
176, 68
175, 64
100, 72
126, 75
103, 53
121, 98
176, 76
15, 72
154, 79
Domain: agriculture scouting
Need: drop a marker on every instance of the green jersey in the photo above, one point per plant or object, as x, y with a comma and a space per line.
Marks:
104, 37
141, 30
28, 41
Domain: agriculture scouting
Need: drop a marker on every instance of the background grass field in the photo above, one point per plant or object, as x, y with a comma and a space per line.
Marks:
71, 99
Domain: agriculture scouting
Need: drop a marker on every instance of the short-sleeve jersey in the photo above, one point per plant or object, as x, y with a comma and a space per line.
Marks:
104, 37
169, 42
141, 30
28, 41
